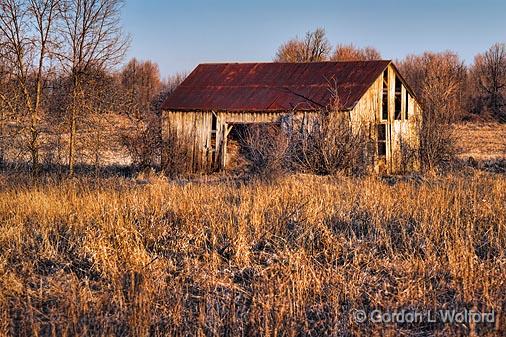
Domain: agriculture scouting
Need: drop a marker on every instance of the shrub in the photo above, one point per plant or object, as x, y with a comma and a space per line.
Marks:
266, 147
175, 154
330, 146
142, 142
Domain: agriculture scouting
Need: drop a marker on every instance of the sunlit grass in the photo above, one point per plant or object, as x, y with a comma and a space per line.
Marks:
293, 257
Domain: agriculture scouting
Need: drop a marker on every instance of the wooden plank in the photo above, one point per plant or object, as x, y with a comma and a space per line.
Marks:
224, 147
219, 140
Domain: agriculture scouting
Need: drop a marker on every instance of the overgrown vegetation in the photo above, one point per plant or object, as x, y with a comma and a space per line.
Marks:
266, 150
324, 145
176, 150
438, 82
293, 257
331, 146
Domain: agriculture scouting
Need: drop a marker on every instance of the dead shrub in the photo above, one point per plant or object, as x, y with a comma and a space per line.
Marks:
326, 146
437, 143
409, 157
142, 142
176, 154
330, 145
265, 148
437, 79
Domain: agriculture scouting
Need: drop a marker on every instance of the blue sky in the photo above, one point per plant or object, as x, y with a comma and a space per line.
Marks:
178, 35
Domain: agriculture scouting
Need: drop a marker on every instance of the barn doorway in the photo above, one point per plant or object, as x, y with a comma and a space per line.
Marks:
247, 143
384, 148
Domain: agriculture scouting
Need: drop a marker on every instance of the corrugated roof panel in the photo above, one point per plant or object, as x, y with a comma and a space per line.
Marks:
273, 86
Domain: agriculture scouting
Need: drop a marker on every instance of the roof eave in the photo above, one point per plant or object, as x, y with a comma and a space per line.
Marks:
248, 110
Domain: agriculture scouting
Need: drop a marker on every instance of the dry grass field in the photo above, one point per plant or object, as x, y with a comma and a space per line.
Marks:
298, 256
482, 141
295, 257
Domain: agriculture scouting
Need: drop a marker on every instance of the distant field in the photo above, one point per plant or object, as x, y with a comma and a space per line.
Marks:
482, 141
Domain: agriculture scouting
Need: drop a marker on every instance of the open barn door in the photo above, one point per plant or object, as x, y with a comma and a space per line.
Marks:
247, 143
384, 147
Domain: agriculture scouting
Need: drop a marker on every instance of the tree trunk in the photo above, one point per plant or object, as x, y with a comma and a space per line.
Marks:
72, 140
2, 140
34, 147
73, 127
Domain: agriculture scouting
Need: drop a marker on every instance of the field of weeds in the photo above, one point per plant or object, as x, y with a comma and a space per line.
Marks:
296, 257
482, 141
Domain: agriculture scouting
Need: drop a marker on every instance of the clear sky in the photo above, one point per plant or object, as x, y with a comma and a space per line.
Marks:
178, 35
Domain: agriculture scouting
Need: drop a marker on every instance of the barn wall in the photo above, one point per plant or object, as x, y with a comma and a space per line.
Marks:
405, 139
187, 134
365, 117
206, 147
402, 135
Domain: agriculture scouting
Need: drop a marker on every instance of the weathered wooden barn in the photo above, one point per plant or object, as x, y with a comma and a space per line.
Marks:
215, 98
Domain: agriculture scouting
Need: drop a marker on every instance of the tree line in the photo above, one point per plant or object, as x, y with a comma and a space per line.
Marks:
65, 99
468, 91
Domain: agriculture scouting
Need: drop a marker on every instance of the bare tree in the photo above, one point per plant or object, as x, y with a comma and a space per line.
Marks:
141, 85
26, 28
489, 74
99, 105
93, 39
141, 82
438, 80
315, 47
351, 53
173, 81
4, 109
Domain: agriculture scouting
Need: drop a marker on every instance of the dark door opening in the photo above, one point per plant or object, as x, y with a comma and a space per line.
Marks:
247, 143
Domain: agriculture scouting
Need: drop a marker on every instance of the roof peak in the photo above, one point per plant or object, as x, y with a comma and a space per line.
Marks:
317, 62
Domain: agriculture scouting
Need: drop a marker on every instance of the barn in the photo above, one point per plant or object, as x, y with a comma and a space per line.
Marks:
198, 117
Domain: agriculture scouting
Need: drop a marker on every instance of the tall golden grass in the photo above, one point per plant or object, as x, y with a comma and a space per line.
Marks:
294, 257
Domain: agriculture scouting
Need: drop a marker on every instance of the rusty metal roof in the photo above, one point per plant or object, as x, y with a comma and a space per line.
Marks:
274, 86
